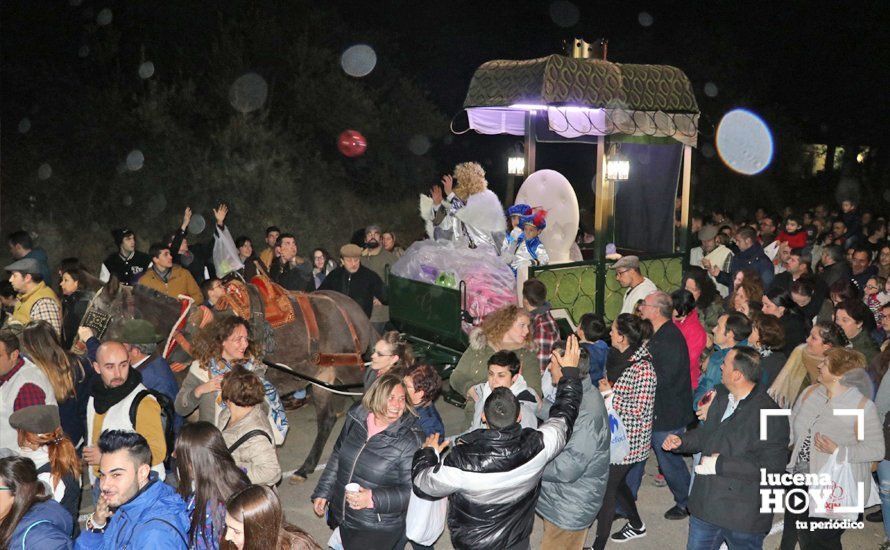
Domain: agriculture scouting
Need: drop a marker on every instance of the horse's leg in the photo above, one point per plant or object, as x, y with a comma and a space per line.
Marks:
325, 417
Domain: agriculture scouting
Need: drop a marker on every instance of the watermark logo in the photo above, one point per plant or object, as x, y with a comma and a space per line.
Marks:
795, 493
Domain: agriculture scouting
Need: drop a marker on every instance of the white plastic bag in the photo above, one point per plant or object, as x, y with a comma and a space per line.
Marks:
335, 542
843, 491
619, 446
225, 254
426, 519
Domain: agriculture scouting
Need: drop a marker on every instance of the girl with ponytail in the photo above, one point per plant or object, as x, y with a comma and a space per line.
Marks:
40, 438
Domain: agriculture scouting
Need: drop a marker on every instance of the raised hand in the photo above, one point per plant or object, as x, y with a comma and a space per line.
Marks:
186, 218
447, 183
220, 213
436, 193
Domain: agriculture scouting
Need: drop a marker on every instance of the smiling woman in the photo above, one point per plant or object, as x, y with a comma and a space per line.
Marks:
373, 453
218, 347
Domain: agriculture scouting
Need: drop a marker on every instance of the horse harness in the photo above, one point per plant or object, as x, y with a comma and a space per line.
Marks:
250, 301
311, 323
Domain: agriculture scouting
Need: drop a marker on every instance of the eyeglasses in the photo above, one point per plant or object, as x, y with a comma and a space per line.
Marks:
6, 489
378, 354
621, 271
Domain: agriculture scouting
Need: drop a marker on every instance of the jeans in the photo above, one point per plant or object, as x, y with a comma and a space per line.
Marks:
672, 465
884, 479
707, 536
617, 491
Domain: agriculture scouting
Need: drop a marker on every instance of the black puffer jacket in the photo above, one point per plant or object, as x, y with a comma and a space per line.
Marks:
382, 464
493, 477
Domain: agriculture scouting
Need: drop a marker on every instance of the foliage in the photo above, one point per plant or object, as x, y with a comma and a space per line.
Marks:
277, 164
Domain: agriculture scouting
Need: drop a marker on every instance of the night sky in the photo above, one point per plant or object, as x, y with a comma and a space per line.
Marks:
816, 71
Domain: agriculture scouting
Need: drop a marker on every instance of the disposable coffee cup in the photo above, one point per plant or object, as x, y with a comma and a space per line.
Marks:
352, 487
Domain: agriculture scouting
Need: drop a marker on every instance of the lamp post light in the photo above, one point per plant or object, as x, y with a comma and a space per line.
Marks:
515, 167
617, 169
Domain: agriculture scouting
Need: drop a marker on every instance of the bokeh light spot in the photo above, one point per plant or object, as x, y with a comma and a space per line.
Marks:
419, 144
105, 17
197, 224
135, 160
564, 13
45, 171
146, 70
24, 125
711, 89
248, 92
645, 19
358, 60
744, 142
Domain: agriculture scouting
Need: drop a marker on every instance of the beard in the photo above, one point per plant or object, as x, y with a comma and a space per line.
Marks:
372, 244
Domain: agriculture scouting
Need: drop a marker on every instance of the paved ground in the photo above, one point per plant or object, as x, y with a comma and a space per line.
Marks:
653, 501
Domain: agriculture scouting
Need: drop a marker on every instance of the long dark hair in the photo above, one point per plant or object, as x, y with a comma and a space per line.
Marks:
705, 285
20, 475
203, 461
259, 509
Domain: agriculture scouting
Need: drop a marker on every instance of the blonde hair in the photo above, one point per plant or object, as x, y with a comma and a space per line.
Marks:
470, 178
498, 322
41, 344
375, 399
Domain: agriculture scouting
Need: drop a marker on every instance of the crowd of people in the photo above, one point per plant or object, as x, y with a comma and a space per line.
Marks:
556, 427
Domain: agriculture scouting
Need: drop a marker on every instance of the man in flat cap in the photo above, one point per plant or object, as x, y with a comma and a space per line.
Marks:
355, 280
627, 272
711, 253
127, 264
36, 300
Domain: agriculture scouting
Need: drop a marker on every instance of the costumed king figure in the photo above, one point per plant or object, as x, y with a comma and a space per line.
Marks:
469, 214
515, 213
528, 249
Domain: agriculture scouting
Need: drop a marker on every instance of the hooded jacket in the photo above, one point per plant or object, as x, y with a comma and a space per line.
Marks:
48, 527
381, 463
155, 518
493, 477
579, 473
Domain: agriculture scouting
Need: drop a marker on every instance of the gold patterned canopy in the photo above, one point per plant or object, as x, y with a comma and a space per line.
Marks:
655, 100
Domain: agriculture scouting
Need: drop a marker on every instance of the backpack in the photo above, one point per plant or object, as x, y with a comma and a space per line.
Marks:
167, 417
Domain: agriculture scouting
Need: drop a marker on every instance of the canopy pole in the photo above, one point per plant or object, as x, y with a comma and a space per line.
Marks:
530, 142
603, 200
686, 202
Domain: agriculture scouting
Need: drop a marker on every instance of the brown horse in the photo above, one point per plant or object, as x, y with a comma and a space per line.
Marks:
288, 345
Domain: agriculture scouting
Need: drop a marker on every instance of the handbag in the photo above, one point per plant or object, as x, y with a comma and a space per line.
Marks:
619, 446
425, 520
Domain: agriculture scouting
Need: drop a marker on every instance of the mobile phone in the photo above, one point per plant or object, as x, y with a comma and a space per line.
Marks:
706, 398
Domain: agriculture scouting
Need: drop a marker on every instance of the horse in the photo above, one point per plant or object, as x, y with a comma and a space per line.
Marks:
343, 335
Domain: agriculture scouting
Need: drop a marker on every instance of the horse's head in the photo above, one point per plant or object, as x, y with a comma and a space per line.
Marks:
114, 304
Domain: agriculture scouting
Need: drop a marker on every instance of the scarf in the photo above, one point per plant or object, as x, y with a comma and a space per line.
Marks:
104, 398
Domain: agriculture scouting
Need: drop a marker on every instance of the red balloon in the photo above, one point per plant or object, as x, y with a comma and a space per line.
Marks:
352, 143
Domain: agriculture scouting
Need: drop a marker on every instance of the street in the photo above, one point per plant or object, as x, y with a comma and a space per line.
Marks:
653, 501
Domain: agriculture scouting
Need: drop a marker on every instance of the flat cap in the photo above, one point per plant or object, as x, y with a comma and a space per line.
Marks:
38, 419
25, 265
626, 262
350, 251
707, 232
139, 331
